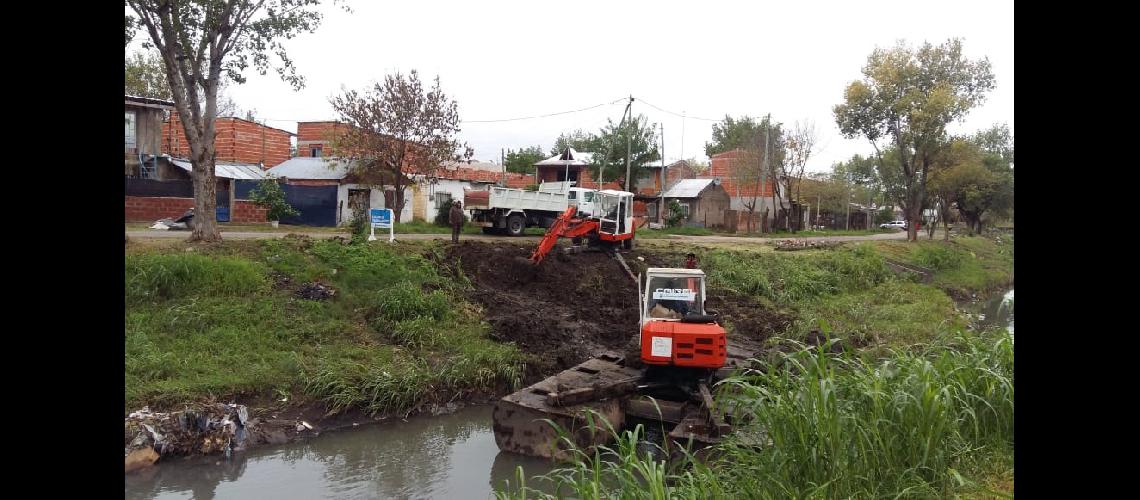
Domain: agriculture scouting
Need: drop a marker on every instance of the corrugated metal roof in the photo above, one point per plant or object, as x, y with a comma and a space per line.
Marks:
134, 99
303, 167
227, 170
688, 188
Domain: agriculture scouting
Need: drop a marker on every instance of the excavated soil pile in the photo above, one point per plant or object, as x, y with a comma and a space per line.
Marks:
564, 311
570, 308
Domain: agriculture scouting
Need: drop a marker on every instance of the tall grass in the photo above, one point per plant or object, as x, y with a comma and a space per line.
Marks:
164, 277
916, 424
396, 334
790, 279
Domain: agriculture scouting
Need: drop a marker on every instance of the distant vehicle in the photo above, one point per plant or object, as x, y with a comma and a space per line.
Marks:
895, 224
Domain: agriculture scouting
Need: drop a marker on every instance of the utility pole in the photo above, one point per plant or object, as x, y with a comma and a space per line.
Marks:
847, 223
602, 170
664, 178
818, 200
503, 163
764, 172
628, 143
869, 195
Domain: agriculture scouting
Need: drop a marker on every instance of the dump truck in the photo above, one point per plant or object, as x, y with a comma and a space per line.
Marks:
509, 211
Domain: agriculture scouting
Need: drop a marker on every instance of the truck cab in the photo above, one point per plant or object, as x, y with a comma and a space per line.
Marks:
675, 328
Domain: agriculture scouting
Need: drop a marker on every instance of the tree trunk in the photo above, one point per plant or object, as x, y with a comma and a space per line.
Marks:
914, 216
398, 197
205, 201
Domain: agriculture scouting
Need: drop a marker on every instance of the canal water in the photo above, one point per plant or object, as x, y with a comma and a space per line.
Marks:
446, 456
997, 312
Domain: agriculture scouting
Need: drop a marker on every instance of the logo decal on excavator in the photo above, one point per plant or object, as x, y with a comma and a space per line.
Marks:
674, 294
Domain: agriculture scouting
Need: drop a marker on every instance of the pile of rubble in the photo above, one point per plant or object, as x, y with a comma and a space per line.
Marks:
792, 245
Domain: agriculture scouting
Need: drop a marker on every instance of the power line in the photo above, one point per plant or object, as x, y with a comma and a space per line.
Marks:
676, 114
546, 115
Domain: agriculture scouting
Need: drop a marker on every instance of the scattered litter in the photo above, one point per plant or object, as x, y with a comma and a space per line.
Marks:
315, 291
203, 430
301, 427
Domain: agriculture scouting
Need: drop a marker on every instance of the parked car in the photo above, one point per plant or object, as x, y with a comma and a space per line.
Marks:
895, 224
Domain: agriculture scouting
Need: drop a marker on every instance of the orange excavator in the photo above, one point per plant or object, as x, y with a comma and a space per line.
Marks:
612, 225
674, 328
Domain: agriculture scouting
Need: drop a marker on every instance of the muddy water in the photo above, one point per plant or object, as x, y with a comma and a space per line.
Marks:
998, 312
448, 456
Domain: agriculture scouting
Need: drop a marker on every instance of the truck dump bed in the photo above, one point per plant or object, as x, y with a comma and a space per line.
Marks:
515, 199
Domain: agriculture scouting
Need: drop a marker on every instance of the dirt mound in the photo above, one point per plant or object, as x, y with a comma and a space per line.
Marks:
564, 310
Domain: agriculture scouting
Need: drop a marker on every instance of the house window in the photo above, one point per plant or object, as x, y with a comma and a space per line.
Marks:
652, 213
315, 152
130, 131
443, 200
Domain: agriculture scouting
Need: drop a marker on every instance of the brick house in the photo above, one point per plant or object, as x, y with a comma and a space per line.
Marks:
158, 183
721, 167
236, 140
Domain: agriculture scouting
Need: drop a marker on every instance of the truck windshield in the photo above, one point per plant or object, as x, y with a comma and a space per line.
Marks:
673, 298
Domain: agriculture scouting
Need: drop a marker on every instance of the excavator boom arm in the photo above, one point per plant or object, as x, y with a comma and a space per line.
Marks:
566, 226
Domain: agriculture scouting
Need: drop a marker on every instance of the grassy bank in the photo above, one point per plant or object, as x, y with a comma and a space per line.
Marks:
932, 423
925, 409
225, 320
963, 266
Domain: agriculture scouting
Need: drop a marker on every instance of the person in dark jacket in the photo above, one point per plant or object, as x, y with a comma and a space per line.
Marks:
456, 220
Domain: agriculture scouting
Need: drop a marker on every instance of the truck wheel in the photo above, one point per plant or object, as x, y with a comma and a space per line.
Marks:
516, 224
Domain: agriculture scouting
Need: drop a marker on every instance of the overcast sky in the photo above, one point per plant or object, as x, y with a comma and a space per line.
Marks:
507, 59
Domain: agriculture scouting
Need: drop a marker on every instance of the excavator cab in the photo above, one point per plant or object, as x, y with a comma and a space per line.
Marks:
675, 329
614, 211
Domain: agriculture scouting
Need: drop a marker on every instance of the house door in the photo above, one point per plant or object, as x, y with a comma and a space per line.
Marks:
358, 202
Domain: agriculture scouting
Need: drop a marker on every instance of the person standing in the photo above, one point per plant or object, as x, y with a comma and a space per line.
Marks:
455, 217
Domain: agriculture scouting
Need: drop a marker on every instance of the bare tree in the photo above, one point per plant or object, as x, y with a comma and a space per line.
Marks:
801, 144
203, 41
757, 164
396, 134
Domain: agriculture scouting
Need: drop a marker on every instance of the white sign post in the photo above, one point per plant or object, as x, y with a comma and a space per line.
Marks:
381, 218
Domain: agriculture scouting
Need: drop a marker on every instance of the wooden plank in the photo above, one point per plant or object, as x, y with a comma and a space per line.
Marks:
663, 410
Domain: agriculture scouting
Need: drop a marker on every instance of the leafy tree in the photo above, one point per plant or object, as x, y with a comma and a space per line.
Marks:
609, 148
145, 76
395, 130
203, 41
268, 194
580, 140
907, 98
642, 137
676, 213
523, 160
733, 133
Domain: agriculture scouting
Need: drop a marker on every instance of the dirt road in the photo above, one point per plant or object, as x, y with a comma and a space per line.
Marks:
237, 235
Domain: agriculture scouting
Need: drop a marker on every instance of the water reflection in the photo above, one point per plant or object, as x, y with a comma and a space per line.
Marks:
450, 456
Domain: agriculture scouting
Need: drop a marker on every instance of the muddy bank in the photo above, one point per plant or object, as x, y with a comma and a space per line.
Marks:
563, 311
572, 307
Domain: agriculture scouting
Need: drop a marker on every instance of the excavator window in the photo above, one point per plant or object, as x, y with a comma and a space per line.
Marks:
673, 298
